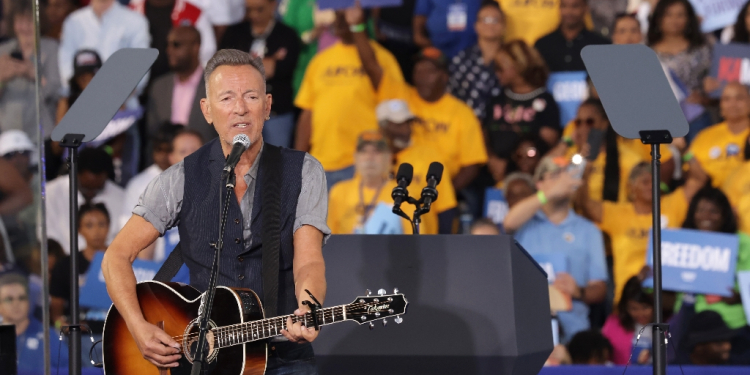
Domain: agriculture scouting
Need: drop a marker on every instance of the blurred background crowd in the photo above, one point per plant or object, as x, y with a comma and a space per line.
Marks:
461, 82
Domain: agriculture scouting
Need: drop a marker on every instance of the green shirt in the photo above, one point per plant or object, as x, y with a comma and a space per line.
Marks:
298, 14
734, 315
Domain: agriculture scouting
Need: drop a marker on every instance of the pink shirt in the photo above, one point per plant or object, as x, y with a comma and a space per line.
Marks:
183, 95
621, 339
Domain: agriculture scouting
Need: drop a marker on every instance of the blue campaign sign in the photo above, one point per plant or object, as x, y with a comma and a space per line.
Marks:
343, 4
552, 264
731, 62
495, 205
696, 261
94, 291
716, 14
569, 89
743, 279
383, 221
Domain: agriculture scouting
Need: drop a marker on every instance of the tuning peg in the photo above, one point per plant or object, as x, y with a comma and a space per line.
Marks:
381, 292
398, 319
395, 290
372, 326
385, 322
367, 292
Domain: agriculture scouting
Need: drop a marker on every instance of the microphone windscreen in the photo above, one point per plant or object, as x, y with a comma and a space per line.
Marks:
243, 139
435, 170
405, 171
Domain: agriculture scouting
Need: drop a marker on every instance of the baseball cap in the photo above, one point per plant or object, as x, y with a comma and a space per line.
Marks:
86, 61
433, 55
15, 141
549, 165
395, 110
371, 137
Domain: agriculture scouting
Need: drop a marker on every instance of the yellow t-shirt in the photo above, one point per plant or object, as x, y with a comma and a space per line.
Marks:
342, 100
345, 205
420, 158
448, 125
743, 213
629, 233
719, 151
532, 19
737, 184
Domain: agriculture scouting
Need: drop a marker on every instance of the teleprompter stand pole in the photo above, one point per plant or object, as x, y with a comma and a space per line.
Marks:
655, 138
72, 142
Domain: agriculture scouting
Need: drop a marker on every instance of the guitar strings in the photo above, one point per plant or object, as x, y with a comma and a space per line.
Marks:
266, 323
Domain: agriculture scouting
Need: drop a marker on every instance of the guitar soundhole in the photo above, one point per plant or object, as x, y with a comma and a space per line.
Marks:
190, 341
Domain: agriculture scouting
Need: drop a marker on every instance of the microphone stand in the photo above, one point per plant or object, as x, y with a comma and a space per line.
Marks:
204, 312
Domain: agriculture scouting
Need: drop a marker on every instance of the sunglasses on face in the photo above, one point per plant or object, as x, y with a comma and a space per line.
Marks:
489, 20
588, 121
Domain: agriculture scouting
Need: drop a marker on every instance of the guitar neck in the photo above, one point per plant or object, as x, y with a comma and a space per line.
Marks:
262, 329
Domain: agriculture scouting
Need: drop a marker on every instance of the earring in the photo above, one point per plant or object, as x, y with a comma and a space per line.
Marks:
268, 117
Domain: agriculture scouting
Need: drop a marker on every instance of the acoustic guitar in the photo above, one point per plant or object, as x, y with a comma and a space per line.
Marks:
237, 340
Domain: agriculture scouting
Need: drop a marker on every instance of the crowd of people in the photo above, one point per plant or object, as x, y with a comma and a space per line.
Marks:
463, 83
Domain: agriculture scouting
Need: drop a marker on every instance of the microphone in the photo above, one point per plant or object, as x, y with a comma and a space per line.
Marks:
430, 193
241, 142
403, 178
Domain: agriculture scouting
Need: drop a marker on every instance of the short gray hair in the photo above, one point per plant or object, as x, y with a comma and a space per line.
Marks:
233, 57
517, 176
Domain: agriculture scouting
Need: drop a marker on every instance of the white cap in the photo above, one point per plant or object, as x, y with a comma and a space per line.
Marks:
15, 140
395, 110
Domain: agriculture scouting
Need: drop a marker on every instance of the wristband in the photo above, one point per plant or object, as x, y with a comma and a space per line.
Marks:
357, 28
664, 187
542, 198
688, 157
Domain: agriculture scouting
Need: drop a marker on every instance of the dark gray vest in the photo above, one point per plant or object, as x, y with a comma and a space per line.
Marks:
199, 224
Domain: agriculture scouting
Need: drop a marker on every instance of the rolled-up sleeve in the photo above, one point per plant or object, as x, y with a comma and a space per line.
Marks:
312, 205
161, 202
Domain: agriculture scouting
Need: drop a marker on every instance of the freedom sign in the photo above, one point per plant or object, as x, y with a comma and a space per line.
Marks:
715, 14
569, 90
343, 4
731, 62
696, 261
495, 205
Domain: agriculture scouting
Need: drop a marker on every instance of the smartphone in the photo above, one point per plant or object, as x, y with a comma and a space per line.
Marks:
596, 137
577, 166
16, 55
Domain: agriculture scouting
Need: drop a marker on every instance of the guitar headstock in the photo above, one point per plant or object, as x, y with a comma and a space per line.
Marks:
368, 309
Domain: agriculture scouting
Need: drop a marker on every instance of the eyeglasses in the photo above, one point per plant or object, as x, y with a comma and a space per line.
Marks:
9, 300
489, 20
588, 121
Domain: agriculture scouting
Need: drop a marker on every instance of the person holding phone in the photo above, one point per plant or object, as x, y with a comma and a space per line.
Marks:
544, 223
17, 76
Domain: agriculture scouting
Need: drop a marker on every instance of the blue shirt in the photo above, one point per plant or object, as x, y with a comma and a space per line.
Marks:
582, 243
31, 352
447, 41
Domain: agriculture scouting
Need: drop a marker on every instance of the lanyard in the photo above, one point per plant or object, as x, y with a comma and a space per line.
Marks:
366, 210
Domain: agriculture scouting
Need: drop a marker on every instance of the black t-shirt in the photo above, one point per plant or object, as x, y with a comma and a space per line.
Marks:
159, 25
510, 116
562, 55
59, 284
240, 37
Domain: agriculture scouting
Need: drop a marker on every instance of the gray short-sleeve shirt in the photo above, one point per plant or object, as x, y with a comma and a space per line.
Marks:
161, 202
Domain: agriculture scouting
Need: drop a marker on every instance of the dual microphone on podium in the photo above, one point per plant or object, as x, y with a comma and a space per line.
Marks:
429, 193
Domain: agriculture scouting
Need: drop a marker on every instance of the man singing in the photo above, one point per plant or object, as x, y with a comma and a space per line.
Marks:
187, 196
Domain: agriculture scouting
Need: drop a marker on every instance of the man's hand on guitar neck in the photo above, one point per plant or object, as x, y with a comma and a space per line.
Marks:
297, 332
156, 345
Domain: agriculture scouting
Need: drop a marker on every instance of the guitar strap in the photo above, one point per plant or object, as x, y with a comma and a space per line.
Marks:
270, 236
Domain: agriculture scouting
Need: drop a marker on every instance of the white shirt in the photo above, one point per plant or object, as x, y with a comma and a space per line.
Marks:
202, 24
58, 214
118, 28
133, 191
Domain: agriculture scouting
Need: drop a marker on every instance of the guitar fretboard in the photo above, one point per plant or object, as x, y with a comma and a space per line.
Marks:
261, 329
